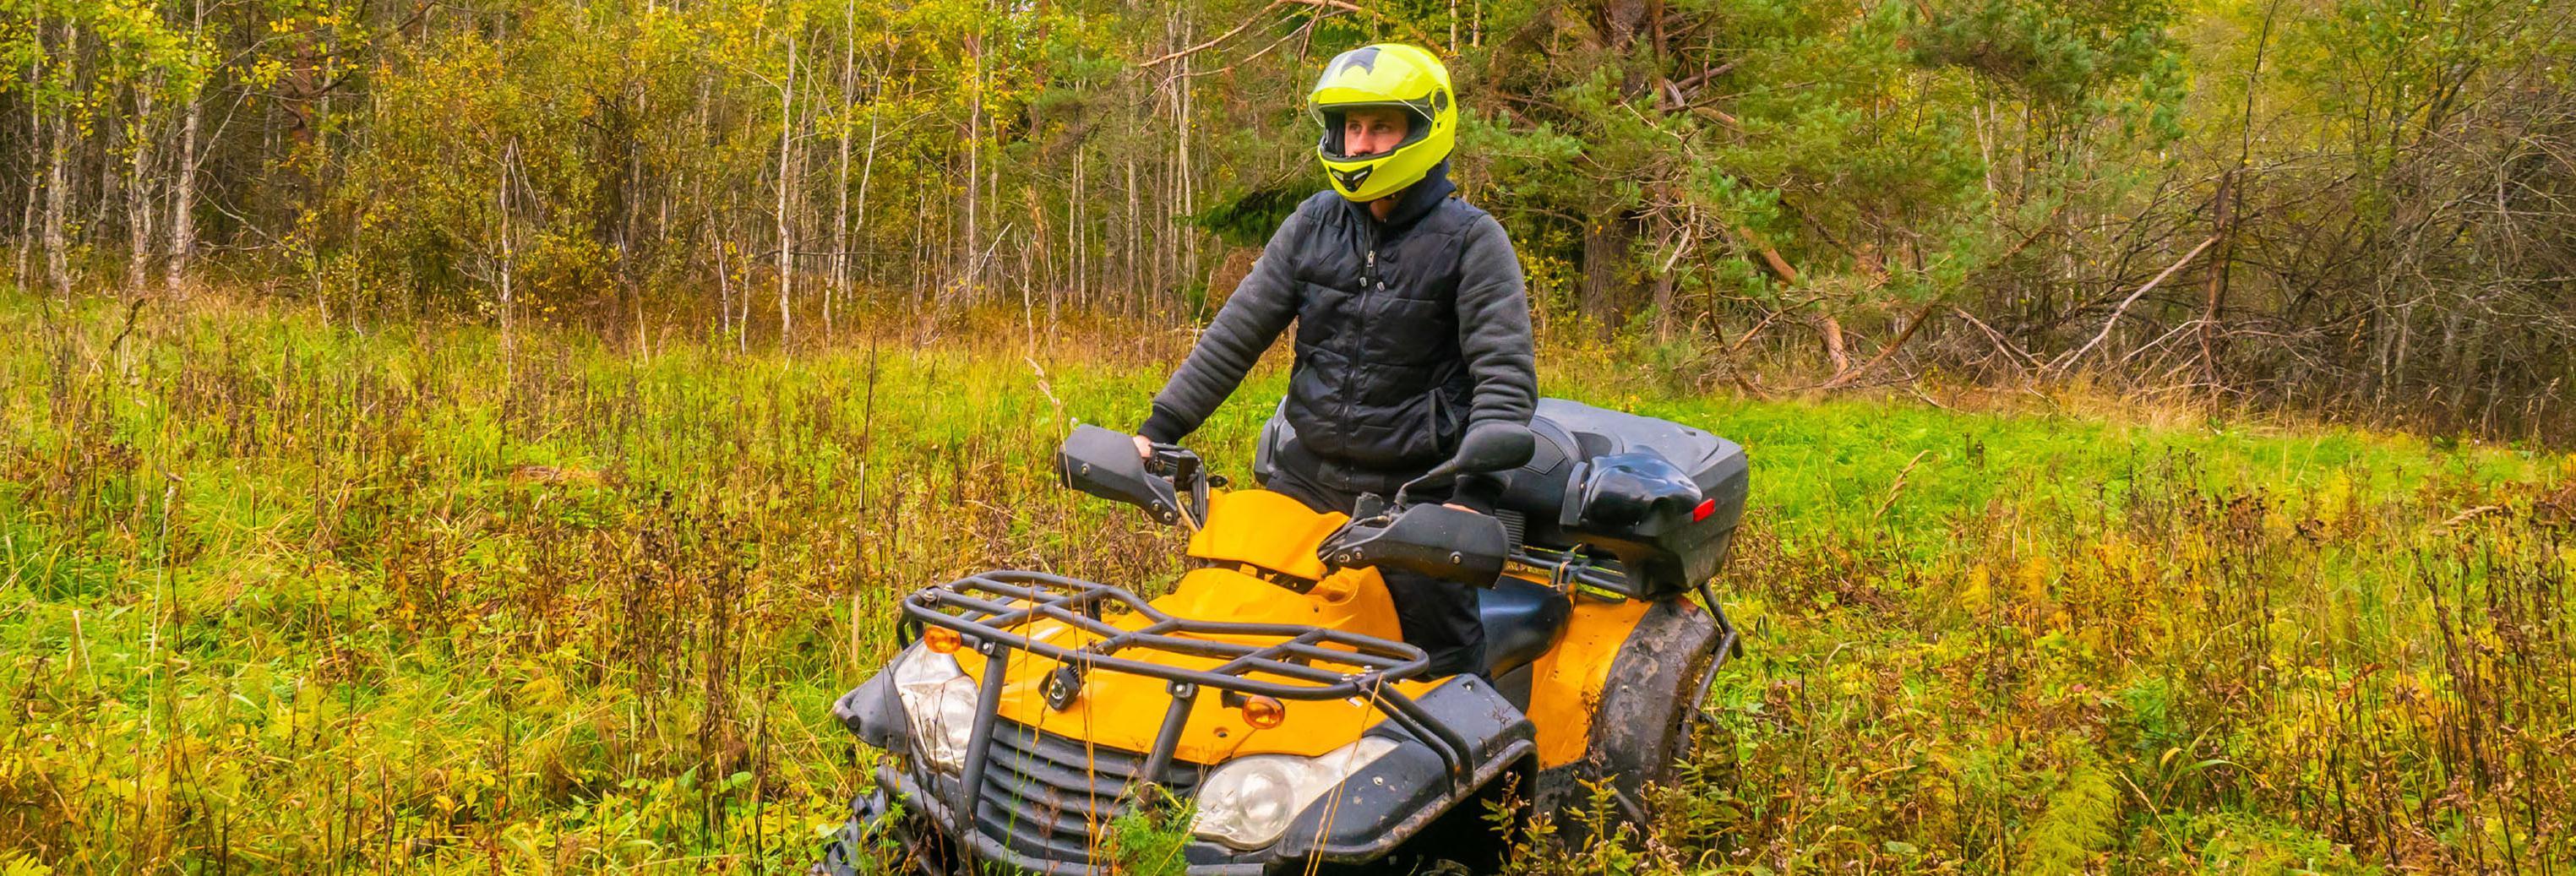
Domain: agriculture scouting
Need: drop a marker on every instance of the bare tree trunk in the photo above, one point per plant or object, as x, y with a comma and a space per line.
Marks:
1181, 154
1662, 284
920, 246
724, 276
35, 165
2217, 288
183, 187
1135, 236
966, 266
1603, 292
1166, 197
867, 169
786, 175
1072, 280
509, 265
841, 177
58, 182
138, 190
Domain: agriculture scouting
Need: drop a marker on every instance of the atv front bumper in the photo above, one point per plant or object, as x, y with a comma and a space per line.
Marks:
1046, 800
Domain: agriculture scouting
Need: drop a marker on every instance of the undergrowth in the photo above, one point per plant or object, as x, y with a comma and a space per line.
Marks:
279, 597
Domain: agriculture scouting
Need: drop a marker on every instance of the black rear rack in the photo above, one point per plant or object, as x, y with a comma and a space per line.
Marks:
991, 611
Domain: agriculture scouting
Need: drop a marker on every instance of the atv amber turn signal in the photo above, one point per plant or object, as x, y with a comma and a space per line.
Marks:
1263, 712
942, 639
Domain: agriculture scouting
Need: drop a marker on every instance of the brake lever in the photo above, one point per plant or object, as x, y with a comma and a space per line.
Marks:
1187, 475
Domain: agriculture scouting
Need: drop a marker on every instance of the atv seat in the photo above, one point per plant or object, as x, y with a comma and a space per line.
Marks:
1521, 620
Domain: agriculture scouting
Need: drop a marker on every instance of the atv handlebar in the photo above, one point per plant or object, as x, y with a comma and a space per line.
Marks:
1172, 486
1429, 539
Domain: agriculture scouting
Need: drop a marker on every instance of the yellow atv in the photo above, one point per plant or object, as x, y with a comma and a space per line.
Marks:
1270, 692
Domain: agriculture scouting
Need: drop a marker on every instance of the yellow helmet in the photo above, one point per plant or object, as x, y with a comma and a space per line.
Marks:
1384, 75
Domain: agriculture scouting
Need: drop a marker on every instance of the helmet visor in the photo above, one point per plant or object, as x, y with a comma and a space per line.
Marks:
1336, 117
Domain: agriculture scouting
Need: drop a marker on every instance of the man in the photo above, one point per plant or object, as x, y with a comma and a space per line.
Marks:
1412, 323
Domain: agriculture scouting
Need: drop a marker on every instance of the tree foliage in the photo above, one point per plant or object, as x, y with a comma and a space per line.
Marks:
2252, 199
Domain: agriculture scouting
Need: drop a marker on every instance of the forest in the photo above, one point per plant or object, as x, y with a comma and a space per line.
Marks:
486, 436
2350, 207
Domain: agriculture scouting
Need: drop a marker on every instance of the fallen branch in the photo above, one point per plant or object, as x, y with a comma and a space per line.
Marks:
1770, 257
1920, 317
1832, 331
1742, 339
2466, 516
1749, 386
2123, 309
2001, 343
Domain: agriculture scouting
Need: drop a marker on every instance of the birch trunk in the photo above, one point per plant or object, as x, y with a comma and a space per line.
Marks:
841, 177
1071, 281
138, 192
1182, 164
35, 165
867, 168
786, 174
724, 277
1135, 234
183, 189
58, 183
974, 168
509, 265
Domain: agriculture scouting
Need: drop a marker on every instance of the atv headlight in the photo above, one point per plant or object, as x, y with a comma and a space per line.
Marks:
1248, 802
939, 703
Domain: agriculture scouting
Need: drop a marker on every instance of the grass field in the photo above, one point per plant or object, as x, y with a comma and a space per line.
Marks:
280, 597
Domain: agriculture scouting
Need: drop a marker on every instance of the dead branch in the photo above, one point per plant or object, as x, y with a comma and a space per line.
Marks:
1219, 39
2466, 516
1770, 257
1306, 28
2123, 309
2001, 343
1832, 331
1740, 340
1255, 18
1920, 317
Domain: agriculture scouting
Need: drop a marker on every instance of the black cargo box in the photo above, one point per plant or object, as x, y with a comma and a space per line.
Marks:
1655, 502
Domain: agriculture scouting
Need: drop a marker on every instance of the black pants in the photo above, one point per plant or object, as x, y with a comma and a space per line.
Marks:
1437, 615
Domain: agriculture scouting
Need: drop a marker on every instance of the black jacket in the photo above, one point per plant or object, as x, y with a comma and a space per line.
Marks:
1408, 331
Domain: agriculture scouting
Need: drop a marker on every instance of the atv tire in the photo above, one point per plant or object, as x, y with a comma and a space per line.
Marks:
1642, 727
876, 830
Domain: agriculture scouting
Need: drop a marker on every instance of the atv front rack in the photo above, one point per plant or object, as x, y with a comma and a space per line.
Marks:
991, 611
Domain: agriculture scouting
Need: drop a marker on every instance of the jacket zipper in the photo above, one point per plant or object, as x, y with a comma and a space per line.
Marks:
1368, 276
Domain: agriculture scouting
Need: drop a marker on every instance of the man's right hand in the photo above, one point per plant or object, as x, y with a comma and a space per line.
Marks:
1144, 448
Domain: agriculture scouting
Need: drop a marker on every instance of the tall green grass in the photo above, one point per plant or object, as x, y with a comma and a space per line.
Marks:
281, 597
